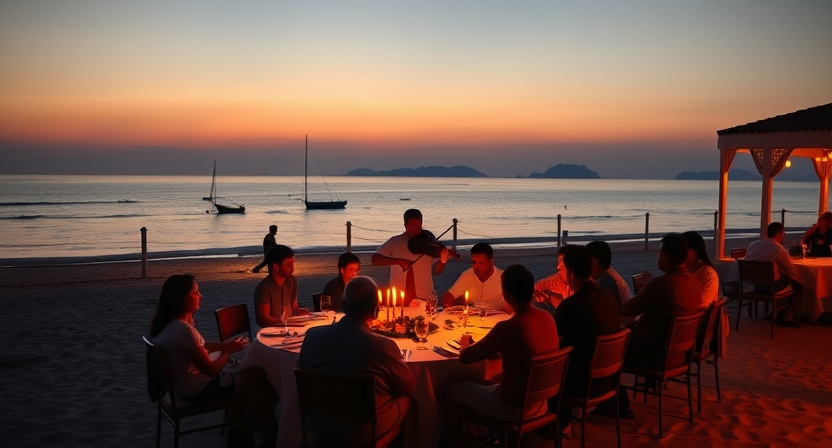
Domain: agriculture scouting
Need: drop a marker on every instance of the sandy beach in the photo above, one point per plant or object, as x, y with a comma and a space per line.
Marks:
73, 363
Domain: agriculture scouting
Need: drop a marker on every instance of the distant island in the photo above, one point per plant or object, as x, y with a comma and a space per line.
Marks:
422, 171
566, 171
735, 174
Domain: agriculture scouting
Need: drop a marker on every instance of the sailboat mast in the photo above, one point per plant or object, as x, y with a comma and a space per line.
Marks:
213, 183
305, 167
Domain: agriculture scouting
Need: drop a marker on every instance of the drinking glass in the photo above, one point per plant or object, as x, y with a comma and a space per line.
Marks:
326, 304
483, 310
433, 300
285, 313
421, 328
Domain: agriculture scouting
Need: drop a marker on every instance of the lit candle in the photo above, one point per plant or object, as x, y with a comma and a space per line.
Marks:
402, 303
379, 299
466, 299
388, 303
394, 303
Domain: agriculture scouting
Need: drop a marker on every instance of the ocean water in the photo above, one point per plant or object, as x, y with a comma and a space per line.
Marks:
90, 216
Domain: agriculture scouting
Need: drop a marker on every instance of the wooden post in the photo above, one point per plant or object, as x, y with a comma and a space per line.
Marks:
565, 234
716, 230
558, 229
646, 230
144, 252
783, 216
455, 223
349, 236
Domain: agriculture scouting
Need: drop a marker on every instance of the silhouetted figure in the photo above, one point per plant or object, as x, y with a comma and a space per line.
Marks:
268, 244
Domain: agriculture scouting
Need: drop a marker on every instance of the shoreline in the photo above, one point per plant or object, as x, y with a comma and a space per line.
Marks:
516, 243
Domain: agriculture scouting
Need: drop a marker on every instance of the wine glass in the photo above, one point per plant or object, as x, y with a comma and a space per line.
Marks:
285, 313
326, 304
421, 328
483, 309
433, 300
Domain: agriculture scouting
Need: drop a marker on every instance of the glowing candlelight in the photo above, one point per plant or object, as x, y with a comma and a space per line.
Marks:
402, 303
388, 304
379, 298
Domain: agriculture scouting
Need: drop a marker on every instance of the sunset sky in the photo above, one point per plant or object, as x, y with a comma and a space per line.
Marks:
629, 88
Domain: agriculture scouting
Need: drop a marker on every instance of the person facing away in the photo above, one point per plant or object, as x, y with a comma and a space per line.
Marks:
591, 311
604, 274
529, 332
819, 237
481, 281
699, 264
198, 378
771, 249
404, 264
350, 346
348, 268
279, 290
269, 243
554, 288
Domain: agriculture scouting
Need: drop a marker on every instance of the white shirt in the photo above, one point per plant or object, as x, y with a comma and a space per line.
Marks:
770, 250
396, 247
490, 291
709, 280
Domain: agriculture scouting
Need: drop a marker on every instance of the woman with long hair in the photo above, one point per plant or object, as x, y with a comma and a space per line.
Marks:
701, 267
197, 378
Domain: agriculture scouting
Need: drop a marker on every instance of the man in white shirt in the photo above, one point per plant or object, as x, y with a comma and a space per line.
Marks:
771, 249
481, 281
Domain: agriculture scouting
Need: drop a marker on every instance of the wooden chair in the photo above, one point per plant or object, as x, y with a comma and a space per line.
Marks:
675, 359
738, 253
757, 279
160, 389
607, 361
343, 400
706, 340
545, 380
639, 280
233, 321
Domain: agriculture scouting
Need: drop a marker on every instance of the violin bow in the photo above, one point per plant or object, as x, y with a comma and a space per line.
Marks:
422, 255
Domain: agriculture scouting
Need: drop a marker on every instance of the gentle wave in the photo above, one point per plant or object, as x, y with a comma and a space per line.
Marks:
41, 203
66, 218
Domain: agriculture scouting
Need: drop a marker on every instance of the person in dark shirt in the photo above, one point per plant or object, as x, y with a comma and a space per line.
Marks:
819, 237
348, 268
591, 311
269, 243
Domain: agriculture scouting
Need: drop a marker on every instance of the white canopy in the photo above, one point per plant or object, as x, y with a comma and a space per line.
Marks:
805, 133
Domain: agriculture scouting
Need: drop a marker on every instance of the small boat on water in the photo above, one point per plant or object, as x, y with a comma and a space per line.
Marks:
212, 198
312, 205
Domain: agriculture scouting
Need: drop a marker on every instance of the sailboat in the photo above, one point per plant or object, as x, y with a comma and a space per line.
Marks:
331, 205
212, 198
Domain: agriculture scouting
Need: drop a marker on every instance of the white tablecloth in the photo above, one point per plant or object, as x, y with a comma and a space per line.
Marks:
815, 275
433, 372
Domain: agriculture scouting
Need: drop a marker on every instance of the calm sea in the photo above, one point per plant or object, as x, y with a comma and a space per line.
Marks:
90, 216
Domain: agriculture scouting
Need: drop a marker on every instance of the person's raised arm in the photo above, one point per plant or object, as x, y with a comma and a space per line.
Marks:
641, 301
439, 266
383, 260
486, 348
448, 299
808, 235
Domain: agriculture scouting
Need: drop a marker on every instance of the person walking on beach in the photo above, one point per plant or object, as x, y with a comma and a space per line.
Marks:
276, 296
268, 244
409, 272
198, 378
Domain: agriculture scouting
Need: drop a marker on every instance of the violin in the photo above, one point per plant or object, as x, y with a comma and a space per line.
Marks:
426, 244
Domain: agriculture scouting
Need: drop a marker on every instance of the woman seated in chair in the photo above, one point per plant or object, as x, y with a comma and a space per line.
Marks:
529, 332
197, 378
699, 264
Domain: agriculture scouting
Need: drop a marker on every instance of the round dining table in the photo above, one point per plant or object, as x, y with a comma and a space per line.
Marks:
433, 363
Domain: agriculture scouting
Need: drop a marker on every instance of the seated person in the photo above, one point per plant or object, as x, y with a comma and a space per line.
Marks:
528, 332
349, 346
554, 288
481, 280
279, 290
604, 274
348, 268
590, 312
197, 378
819, 237
699, 264
771, 249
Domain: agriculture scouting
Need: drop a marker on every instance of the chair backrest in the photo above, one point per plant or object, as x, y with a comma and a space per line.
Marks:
232, 321
738, 253
681, 339
608, 358
159, 373
339, 399
639, 280
758, 273
546, 375
707, 328
316, 301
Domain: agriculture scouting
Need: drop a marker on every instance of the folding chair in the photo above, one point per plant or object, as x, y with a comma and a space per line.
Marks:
757, 282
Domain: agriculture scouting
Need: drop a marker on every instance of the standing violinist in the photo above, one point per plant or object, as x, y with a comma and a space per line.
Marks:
416, 280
